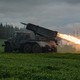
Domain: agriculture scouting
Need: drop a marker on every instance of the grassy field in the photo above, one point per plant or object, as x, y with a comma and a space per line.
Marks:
48, 66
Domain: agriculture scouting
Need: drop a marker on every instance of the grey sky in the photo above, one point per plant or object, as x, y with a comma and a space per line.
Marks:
61, 15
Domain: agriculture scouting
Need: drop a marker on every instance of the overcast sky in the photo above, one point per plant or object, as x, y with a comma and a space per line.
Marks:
61, 15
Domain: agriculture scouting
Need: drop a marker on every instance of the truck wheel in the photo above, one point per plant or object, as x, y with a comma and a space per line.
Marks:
8, 48
46, 49
27, 48
55, 49
36, 49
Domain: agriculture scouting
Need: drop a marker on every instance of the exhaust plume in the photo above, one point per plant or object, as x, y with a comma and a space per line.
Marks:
69, 38
73, 41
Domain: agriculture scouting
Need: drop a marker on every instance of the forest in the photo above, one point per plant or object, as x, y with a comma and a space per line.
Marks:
7, 30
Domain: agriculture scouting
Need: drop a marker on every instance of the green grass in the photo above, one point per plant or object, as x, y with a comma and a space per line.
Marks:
48, 66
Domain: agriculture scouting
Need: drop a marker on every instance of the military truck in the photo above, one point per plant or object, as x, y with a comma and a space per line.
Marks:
38, 41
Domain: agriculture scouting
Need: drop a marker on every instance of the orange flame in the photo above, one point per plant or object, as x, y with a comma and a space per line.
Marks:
69, 38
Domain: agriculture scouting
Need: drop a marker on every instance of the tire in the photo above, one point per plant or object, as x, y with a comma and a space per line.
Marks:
27, 48
21, 48
46, 49
55, 49
8, 48
36, 48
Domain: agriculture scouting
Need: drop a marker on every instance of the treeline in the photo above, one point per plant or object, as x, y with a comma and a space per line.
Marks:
7, 31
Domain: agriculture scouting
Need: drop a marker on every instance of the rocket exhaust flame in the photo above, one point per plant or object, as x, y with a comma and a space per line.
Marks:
69, 38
